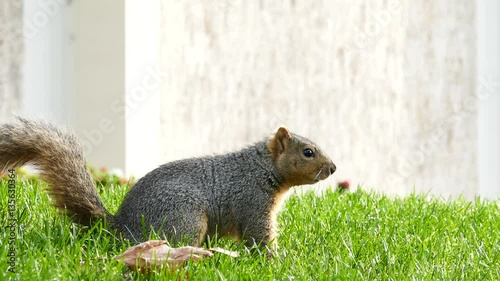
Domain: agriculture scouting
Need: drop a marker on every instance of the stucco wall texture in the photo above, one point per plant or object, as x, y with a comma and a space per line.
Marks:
11, 56
386, 88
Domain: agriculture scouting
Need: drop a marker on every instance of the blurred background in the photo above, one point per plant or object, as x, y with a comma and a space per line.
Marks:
403, 95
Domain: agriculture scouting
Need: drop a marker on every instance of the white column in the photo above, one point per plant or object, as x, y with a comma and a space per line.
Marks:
142, 85
488, 92
47, 69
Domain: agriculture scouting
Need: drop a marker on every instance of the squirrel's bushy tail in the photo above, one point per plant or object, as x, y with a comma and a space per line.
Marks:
59, 157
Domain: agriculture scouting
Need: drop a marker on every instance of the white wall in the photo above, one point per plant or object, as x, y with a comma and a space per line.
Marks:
98, 47
385, 87
11, 57
488, 90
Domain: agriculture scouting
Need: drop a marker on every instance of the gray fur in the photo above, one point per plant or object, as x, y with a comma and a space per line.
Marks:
235, 191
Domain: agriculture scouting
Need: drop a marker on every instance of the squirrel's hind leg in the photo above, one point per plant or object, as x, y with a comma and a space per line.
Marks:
201, 232
189, 228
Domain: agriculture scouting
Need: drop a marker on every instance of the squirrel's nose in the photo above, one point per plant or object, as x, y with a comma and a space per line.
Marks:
332, 168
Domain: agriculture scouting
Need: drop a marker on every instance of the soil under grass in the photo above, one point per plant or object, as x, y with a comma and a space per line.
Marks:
344, 236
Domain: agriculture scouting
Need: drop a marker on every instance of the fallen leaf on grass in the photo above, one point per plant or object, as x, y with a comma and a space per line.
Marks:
156, 254
225, 252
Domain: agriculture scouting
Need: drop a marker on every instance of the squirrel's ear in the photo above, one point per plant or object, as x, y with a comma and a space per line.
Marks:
279, 142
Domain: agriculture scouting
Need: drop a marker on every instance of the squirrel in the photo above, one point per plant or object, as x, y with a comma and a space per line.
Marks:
237, 194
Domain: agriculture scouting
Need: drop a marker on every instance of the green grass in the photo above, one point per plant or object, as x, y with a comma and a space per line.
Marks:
349, 236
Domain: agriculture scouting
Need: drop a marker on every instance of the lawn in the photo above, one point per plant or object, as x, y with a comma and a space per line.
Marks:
343, 236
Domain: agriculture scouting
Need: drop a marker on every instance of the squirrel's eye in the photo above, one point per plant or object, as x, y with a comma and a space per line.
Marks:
308, 153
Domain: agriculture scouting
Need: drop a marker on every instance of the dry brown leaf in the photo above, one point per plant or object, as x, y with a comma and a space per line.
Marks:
155, 255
